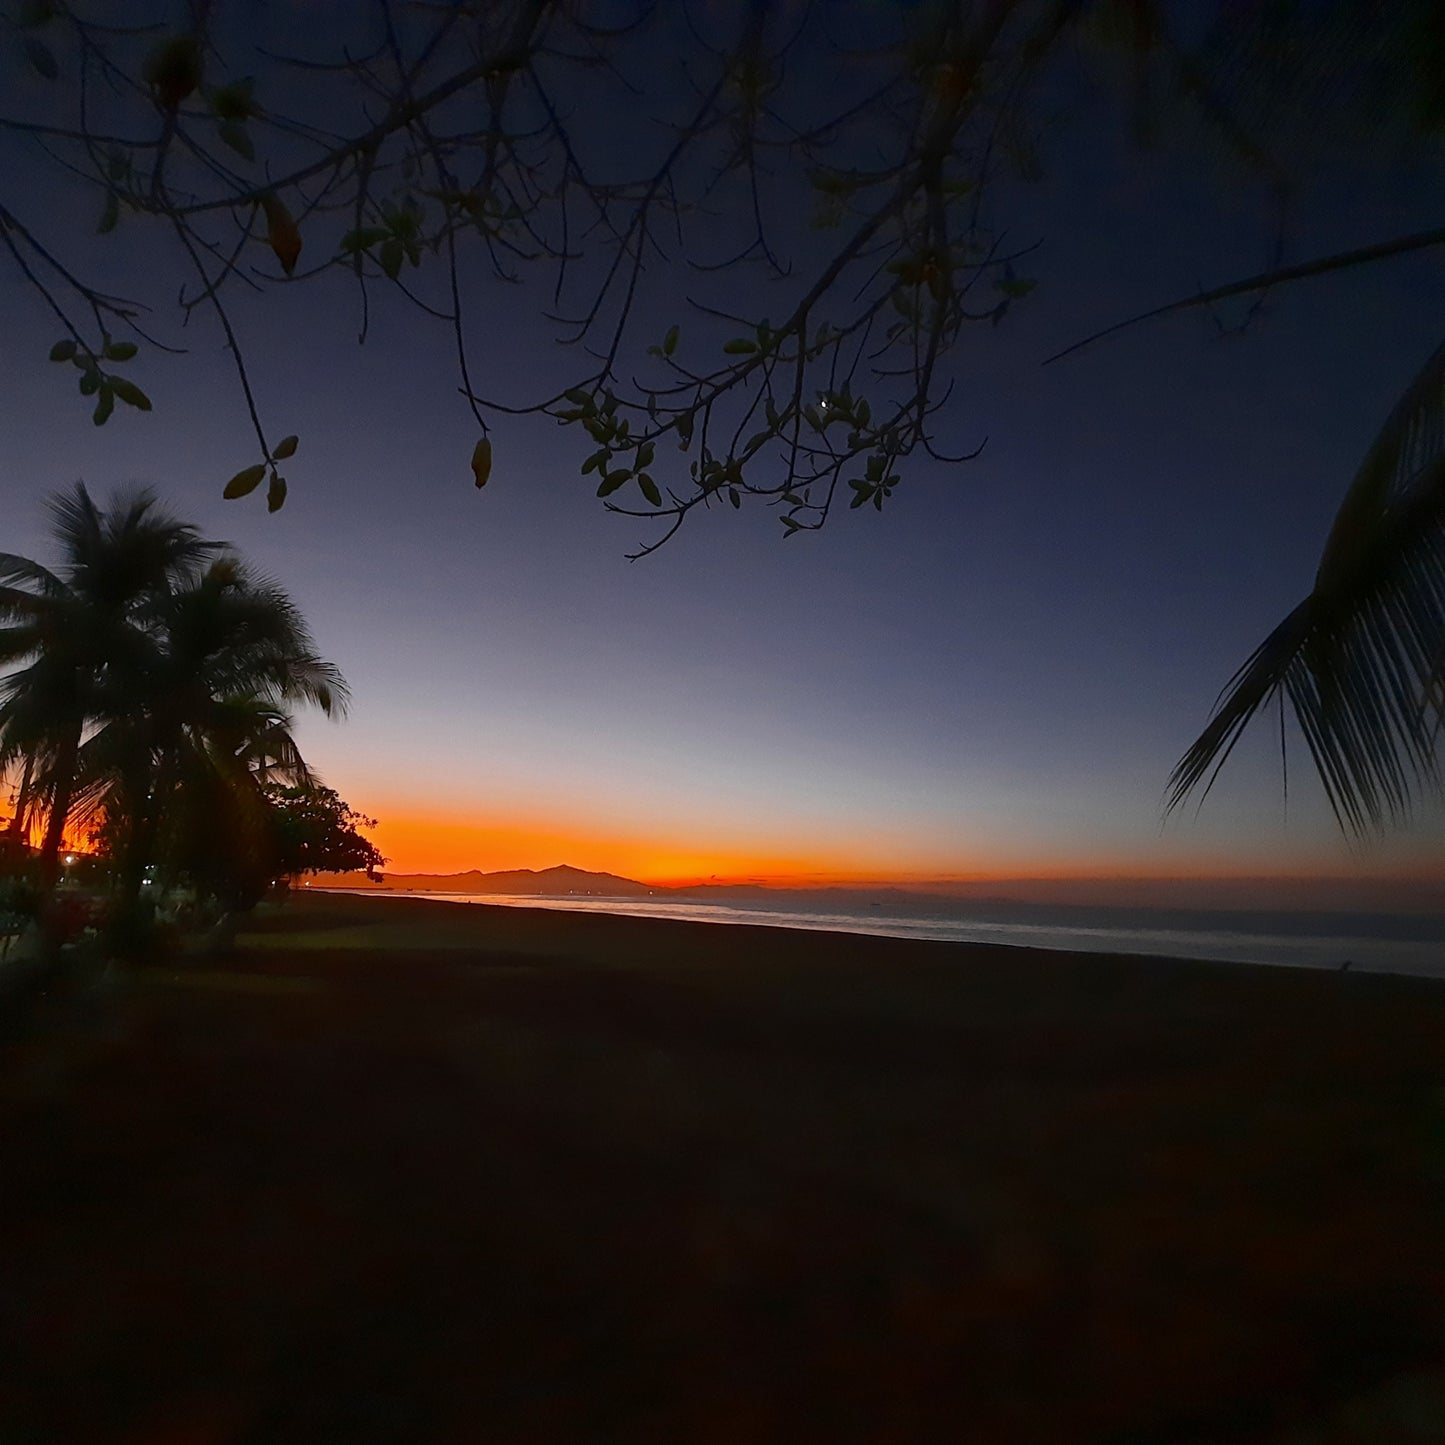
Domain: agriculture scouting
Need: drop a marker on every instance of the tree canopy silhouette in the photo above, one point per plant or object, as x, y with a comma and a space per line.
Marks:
75, 644
316, 832
852, 154
150, 687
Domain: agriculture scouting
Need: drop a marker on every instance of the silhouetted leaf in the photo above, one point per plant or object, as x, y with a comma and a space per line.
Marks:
391, 255
733, 497
649, 489
276, 493
35, 13
1015, 287
482, 461
286, 447
118, 350
62, 351
612, 481
234, 134
669, 342
740, 346
89, 382
233, 102
110, 215
362, 239
281, 232
129, 393
173, 70
104, 405
244, 481
41, 58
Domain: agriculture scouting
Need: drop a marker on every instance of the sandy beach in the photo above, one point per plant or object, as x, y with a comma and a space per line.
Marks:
403, 1170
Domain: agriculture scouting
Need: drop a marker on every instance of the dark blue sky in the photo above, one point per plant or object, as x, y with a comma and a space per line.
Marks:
993, 677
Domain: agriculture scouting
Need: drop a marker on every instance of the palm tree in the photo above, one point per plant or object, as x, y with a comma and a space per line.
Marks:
220, 833
74, 639
1361, 661
228, 657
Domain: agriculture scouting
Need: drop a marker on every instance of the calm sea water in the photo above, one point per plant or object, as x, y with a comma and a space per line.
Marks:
1403, 943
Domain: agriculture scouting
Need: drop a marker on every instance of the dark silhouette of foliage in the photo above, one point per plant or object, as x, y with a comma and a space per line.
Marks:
851, 157
75, 642
1361, 661
317, 832
150, 694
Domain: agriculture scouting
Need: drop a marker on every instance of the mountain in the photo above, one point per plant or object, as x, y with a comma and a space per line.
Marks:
1384, 895
549, 881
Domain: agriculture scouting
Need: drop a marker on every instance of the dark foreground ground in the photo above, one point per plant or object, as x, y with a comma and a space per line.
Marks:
428, 1172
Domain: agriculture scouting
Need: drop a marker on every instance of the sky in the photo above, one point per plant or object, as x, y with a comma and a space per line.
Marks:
992, 679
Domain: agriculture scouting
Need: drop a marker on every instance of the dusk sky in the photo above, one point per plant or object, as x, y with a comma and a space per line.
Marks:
992, 678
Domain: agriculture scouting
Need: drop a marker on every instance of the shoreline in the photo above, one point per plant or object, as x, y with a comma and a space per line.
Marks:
597, 932
1073, 930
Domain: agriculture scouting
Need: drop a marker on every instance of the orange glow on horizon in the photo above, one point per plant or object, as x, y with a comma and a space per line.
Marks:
431, 844
434, 843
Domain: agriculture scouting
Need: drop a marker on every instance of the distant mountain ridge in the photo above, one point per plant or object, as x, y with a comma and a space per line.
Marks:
1405, 895
560, 880
564, 879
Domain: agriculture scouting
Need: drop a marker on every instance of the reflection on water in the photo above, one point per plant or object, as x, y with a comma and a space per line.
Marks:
1378, 942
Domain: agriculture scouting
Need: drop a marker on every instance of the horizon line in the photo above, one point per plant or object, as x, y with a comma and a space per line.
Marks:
862, 881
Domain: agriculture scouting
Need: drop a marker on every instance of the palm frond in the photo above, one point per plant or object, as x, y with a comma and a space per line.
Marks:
22, 581
238, 632
1361, 661
116, 555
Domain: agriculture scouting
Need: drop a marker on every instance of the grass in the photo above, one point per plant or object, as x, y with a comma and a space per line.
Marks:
451, 1176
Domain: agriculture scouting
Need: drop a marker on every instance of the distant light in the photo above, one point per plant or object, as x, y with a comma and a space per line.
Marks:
69, 859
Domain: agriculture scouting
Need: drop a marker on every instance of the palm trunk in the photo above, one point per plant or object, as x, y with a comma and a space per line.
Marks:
59, 811
51, 928
139, 845
146, 791
22, 801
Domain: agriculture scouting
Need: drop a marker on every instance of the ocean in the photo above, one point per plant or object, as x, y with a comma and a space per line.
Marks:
1378, 942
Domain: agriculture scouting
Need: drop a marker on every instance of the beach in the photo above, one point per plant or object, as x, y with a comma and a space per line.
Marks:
1382, 941
405, 1170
